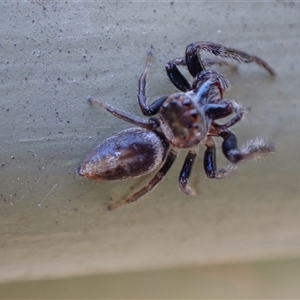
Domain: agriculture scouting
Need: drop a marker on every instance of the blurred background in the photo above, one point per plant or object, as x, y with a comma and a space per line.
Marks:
238, 238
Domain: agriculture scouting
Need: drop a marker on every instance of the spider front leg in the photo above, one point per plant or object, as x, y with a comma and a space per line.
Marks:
251, 150
182, 84
148, 110
193, 50
234, 108
223, 109
196, 64
208, 62
172, 155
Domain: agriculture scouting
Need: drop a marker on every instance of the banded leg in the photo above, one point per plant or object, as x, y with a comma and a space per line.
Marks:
186, 172
153, 182
148, 110
210, 162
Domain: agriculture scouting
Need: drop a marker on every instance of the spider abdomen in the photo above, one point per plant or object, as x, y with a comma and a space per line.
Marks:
130, 153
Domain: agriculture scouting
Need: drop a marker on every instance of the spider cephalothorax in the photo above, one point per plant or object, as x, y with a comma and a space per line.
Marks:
182, 120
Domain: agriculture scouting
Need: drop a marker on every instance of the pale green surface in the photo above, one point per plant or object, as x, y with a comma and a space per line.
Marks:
259, 280
53, 55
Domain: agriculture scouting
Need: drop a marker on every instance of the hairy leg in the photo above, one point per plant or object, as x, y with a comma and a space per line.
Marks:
153, 182
193, 49
148, 110
253, 149
208, 62
150, 124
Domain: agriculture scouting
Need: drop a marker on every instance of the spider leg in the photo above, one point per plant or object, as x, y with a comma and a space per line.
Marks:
176, 76
193, 49
208, 62
223, 109
181, 82
150, 124
251, 150
148, 110
220, 81
186, 172
235, 108
172, 155
193, 61
210, 162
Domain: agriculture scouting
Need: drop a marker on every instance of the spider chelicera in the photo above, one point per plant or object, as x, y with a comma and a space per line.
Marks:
183, 120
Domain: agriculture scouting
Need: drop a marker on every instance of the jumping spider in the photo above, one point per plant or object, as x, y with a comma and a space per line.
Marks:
183, 121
